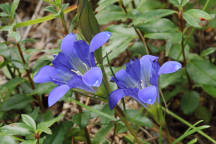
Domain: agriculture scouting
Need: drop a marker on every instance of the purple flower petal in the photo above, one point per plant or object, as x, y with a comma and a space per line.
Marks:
148, 95
169, 67
77, 82
146, 63
155, 76
124, 80
98, 40
82, 50
57, 93
93, 77
43, 76
60, 76
67, 43
61, 61
133, 69
118, 94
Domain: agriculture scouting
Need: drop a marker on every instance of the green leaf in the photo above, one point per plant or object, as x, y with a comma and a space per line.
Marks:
173, 78
42, 19
14, 7
111, 13
100, 136
158, 26
6, 8
93, 110
190, 102
208, 51
104, 4
7, 140
29, 142
202, 72
151, 15
81, 119
59, 133
16, 102
19, 129
138, 118
175, 37
87, 21
58, 2
44, 126
119, 40
193, 16
29, 121
43, 88
50, 9
179, 3
15, 35
2, 14
203, 113
209, 89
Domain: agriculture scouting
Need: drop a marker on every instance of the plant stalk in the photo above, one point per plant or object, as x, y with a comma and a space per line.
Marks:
138, 32
188, 124
182, 26
64, 23
117, 109
87, 136
29, 76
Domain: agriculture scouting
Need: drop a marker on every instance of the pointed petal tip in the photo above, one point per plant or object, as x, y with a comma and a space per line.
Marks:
99, 40
93, 77
170, 67
67, 42
56, 94
148, 95
42, 75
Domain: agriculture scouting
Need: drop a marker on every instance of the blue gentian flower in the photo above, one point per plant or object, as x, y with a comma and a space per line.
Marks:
73, 67
140, 80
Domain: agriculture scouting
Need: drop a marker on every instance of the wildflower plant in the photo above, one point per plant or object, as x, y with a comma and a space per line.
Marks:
140, 80
73, 67
176, 32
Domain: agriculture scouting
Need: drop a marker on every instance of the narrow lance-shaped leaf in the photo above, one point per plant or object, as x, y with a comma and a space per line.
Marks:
88, 24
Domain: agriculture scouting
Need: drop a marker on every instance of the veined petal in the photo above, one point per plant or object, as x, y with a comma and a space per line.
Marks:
148, 95
82, 50
77, 82
155, 76
124, 80
67, 43
118, 94
146, 63
98, 40
43, 75
62, 62
93, 77
133, 69
169, 67
57, 93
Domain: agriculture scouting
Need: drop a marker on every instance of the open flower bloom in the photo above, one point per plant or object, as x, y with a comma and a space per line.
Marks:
140, 80
73, 67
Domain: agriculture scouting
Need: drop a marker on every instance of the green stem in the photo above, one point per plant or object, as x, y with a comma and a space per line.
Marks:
63, 23
206, 5
138, 32
39, 100
118, 110
188, 124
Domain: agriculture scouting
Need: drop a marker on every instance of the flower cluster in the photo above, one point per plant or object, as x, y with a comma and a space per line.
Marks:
140, 80
73, 67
